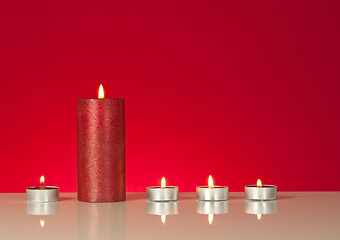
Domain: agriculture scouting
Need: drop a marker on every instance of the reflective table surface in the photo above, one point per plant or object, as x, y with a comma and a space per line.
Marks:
295, 215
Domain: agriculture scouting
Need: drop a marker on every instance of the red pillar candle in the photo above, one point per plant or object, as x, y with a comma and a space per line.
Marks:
101, 149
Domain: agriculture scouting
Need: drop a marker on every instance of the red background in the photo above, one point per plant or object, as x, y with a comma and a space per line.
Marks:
237, 89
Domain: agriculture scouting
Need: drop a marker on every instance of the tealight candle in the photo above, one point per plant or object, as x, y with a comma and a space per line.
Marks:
211, 192
260, 192
162, 193
42, 193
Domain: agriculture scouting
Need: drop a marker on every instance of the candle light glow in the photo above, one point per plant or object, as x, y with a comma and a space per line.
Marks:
258, 216
210, 182
101, 91
42, 181
163, 183
259, 183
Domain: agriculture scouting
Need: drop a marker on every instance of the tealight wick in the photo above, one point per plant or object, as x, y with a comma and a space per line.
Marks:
42, 181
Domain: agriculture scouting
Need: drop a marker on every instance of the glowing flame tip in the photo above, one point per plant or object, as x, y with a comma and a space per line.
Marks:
163, 183
210, 182
258, 216
101, 91
259, 183
42, 180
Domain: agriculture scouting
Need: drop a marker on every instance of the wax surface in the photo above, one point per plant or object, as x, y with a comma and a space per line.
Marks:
101, 150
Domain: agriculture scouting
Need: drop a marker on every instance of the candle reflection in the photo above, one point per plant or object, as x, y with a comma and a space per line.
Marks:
162, 209
260, 208
211, 208
42, 209
101, 221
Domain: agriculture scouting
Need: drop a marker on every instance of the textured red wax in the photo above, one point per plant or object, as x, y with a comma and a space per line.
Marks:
101, 150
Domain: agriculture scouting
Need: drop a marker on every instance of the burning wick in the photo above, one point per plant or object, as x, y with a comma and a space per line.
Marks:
163, 218
42, 181
163, 183
259, 183
258, 216
210, 182
101, 91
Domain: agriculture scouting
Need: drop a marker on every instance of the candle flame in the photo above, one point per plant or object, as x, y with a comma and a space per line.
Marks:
42, 223
163, 183
210, 218
101, 91
258, 216
163, 218
210, 182
259, 183
42, 181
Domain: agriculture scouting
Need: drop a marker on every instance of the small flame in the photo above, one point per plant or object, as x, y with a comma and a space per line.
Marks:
259, 183
258, 216
210, 218
42, 223
163, 183
163, 218
42, 181
210, 182
101, 91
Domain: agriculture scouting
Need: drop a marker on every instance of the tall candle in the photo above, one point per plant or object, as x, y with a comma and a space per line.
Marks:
101, 149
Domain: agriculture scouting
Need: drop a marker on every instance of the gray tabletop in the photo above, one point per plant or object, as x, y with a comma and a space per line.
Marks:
295, 215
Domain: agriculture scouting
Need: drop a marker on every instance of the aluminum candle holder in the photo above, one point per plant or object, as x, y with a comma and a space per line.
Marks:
260, 207
209, 207
42, 209
162, 193
260, 192
162, 208
42, 194
211, 192
217, 193
169, 193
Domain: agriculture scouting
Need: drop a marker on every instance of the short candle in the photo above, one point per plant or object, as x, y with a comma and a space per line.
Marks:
260, 192
162, 193
211, 192
42, 193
